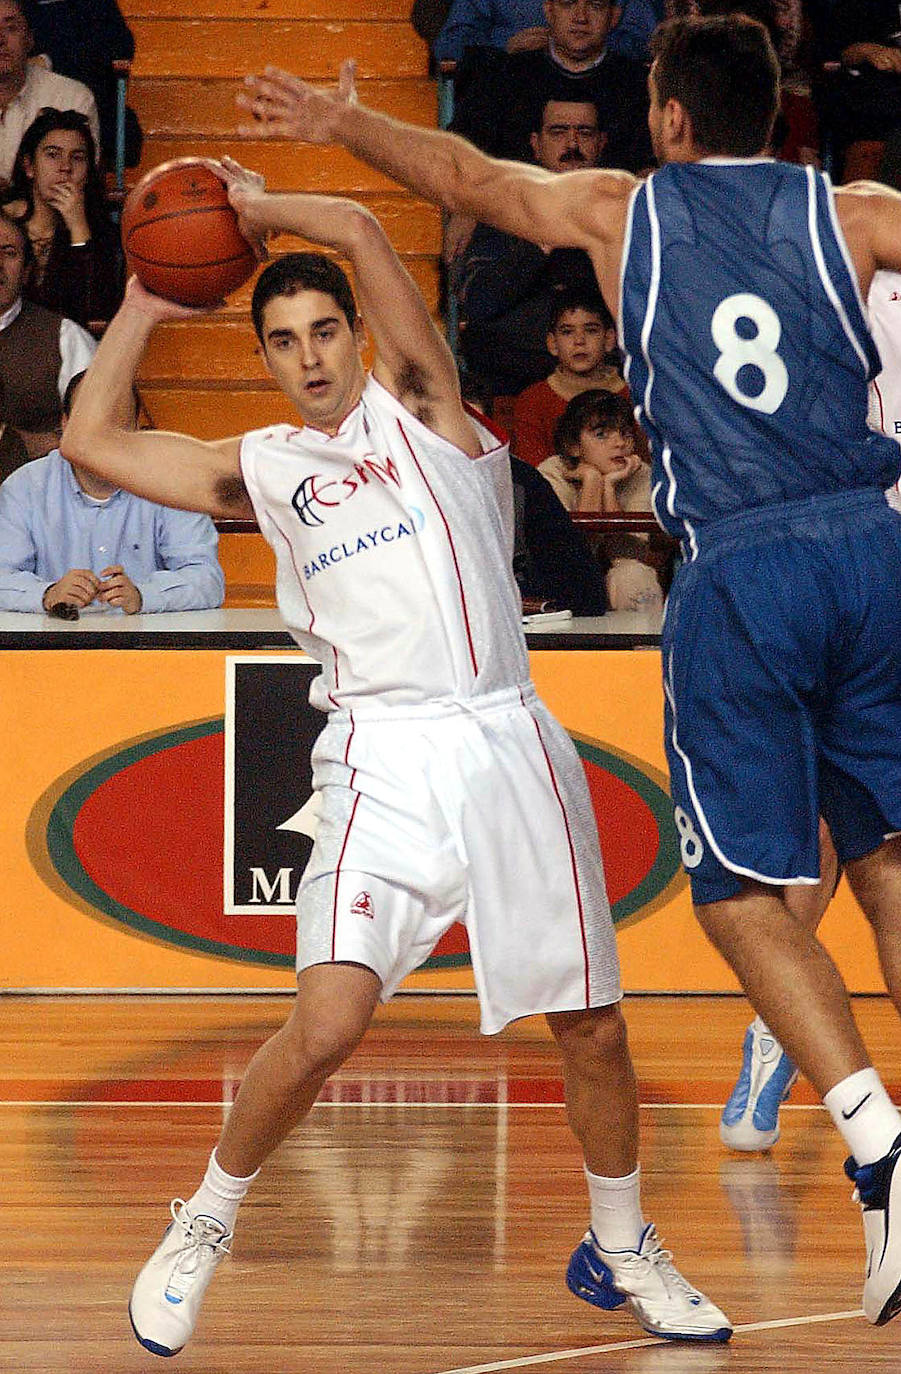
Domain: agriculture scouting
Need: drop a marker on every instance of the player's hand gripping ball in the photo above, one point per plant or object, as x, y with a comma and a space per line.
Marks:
181, 235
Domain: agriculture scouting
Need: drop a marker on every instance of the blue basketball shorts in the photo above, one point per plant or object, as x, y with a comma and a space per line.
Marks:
782, 685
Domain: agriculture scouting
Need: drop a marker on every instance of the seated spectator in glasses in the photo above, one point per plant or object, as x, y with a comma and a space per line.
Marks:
597, 468
13, 452
506, 287
520, 25
497, 93
82, 39
57, 192
28, 87
40, 350
68, 537
582, 340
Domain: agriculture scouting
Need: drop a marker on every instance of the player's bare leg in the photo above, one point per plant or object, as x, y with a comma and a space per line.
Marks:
620, 1258
333, 1007
876, 883
794, 985
750, 1117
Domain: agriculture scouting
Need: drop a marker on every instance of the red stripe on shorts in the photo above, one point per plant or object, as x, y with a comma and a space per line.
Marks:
572, 857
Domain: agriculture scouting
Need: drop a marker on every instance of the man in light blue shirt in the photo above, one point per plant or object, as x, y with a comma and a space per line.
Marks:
68, 538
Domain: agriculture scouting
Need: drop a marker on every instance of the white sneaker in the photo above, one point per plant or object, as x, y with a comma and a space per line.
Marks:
166, 1298
750, 1119
878, 1191
662, 1301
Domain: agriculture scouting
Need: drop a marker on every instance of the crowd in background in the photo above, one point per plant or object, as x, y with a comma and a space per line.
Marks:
562, 83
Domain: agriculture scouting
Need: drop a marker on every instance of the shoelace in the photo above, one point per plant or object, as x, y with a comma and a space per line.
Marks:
662, 1261
200, 1242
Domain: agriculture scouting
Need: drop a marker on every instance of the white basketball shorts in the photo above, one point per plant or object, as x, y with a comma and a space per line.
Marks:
471, 811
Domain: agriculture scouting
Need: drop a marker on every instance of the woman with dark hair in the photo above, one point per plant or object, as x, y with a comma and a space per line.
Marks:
57, 193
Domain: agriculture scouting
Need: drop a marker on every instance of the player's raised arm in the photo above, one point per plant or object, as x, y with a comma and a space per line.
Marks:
870, 215
413, 360
579, 209
172, 469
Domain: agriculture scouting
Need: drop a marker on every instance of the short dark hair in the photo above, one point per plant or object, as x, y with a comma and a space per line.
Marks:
575, 298
603, 410
723, 69
560, 94
18, 223
302, 272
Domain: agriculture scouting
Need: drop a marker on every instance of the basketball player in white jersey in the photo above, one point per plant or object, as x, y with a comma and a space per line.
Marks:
709, 296
390, 513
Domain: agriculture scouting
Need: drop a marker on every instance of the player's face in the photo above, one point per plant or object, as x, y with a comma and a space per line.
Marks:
579, 341
12, 264
609, 452
569, 137
60, 159
15, 40
314, 355
579, 28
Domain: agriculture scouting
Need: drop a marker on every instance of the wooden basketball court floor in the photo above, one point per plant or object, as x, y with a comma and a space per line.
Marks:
421, 1221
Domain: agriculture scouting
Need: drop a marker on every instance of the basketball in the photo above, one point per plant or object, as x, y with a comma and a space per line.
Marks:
181, 236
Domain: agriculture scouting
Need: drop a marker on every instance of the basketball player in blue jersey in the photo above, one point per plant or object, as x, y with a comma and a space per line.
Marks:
738, 284
389, 509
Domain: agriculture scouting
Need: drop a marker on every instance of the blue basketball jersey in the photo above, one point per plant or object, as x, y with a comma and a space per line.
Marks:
748, 351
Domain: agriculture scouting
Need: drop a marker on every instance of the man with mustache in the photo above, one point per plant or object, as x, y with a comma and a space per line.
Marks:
506, 286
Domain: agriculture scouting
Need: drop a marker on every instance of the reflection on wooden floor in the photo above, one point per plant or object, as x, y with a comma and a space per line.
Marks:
421, 1221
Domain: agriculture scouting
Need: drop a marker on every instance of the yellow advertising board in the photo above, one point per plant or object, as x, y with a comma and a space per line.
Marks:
125, 866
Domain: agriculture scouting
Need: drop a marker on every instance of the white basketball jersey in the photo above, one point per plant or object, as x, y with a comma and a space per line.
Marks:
393, 554
884, 306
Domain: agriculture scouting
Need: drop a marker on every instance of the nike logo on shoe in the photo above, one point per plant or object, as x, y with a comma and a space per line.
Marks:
846, 1116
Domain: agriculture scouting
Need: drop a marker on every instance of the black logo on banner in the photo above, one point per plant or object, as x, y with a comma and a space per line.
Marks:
270, 732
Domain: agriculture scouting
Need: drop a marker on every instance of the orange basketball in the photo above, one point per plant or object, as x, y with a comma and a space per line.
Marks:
181, 236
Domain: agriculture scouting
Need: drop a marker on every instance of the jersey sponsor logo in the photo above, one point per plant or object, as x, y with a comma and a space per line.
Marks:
365, 543
157, 870
317, 494
362, 905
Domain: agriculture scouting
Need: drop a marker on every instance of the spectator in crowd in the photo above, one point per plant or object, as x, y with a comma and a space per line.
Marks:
506, 288
56, 191
40, 350
861, 103
13, 452
498, 93
552, 561
582, 339
28, 87
518, 25
82, 39
70, 538
597, 467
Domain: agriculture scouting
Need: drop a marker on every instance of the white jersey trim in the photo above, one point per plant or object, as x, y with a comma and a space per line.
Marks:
828, 284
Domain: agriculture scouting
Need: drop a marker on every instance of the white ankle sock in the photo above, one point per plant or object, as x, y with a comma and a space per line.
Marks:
865, 1114
616, 1217
220, 1194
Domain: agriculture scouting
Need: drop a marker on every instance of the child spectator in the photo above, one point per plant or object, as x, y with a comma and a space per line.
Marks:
57, 193
596, 468
582, 338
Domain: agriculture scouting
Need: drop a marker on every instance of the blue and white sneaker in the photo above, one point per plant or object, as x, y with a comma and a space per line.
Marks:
878, 1190
166, 1298
662, 1301
750, 1119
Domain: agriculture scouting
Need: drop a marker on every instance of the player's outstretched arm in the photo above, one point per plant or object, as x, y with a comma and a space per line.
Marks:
870, 216
172, 469
413, 360
576, 209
